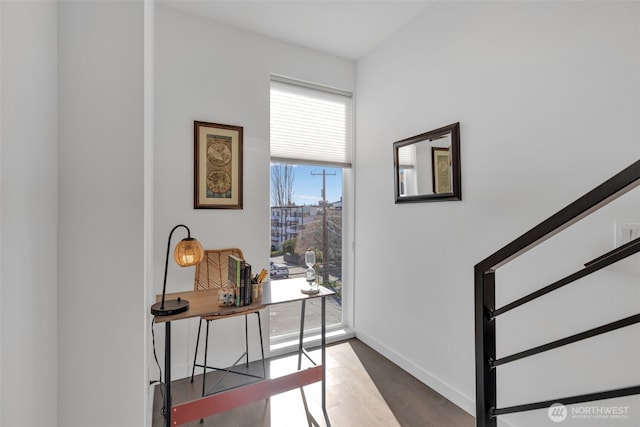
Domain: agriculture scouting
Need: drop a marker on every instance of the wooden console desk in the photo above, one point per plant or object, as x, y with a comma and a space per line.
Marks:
205, 303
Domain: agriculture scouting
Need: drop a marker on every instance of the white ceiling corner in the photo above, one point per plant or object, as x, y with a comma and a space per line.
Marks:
347, 28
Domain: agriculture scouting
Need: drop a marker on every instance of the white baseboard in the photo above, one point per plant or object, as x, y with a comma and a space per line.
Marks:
151, 395
311, 340
459, 399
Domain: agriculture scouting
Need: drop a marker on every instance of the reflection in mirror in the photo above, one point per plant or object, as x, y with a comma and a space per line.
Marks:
427, 166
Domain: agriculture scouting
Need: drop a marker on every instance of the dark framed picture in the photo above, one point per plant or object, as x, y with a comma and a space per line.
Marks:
217, 166
441, 167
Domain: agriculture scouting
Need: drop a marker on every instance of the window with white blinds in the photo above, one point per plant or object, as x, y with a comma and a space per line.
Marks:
310, 124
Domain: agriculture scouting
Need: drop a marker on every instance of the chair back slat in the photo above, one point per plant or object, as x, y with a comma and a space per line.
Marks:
213, 271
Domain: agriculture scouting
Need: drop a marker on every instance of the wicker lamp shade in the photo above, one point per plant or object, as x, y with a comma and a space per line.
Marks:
188, 252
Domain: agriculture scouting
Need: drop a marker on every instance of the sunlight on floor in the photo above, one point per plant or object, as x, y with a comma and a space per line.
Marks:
357, 378
300, 406
348, 386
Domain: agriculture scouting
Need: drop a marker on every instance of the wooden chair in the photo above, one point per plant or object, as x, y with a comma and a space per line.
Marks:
212, 273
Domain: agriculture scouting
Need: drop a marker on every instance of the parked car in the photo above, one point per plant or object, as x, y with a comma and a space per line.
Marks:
278, 271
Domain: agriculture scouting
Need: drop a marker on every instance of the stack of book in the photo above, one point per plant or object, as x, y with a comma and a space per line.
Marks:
240, 279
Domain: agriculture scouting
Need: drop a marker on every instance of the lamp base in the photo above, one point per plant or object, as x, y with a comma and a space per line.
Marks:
170, 307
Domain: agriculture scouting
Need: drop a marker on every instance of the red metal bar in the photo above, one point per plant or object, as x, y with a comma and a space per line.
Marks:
230, 399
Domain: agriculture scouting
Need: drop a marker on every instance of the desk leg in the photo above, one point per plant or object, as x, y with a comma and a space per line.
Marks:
323, 343
300, 347
167, 374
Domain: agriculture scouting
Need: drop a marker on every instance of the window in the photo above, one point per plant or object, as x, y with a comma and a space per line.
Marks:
311, 147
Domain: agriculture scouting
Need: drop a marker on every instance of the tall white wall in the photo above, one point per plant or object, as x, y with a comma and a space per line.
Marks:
28, 214
209, 72
102, 314
548, 97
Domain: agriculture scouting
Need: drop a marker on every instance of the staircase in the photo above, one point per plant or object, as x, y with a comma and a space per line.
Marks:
486, 312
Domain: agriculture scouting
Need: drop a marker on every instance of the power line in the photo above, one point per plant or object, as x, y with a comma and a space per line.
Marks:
325, 254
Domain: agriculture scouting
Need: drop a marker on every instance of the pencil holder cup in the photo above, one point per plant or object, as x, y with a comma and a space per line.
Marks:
256, 292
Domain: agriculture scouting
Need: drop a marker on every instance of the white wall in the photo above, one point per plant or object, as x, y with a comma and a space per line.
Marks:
548, 97
210, 72
28, 214
102, 314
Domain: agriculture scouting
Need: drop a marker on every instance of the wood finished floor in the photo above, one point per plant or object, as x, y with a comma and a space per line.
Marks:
364, 389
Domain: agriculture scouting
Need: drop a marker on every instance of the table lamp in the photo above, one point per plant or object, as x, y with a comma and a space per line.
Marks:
187, 253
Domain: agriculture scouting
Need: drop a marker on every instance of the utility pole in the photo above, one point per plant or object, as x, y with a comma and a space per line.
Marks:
325, 253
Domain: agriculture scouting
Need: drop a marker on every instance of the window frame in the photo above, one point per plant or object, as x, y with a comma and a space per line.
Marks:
285, 343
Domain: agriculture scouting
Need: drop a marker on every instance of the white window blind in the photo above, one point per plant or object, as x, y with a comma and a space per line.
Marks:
310, 125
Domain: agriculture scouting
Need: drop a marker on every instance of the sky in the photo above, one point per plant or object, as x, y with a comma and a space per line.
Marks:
307, 184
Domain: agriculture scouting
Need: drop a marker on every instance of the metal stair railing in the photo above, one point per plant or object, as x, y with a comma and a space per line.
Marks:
487, 411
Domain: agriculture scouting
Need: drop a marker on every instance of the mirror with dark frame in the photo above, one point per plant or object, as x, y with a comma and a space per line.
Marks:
427, 166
